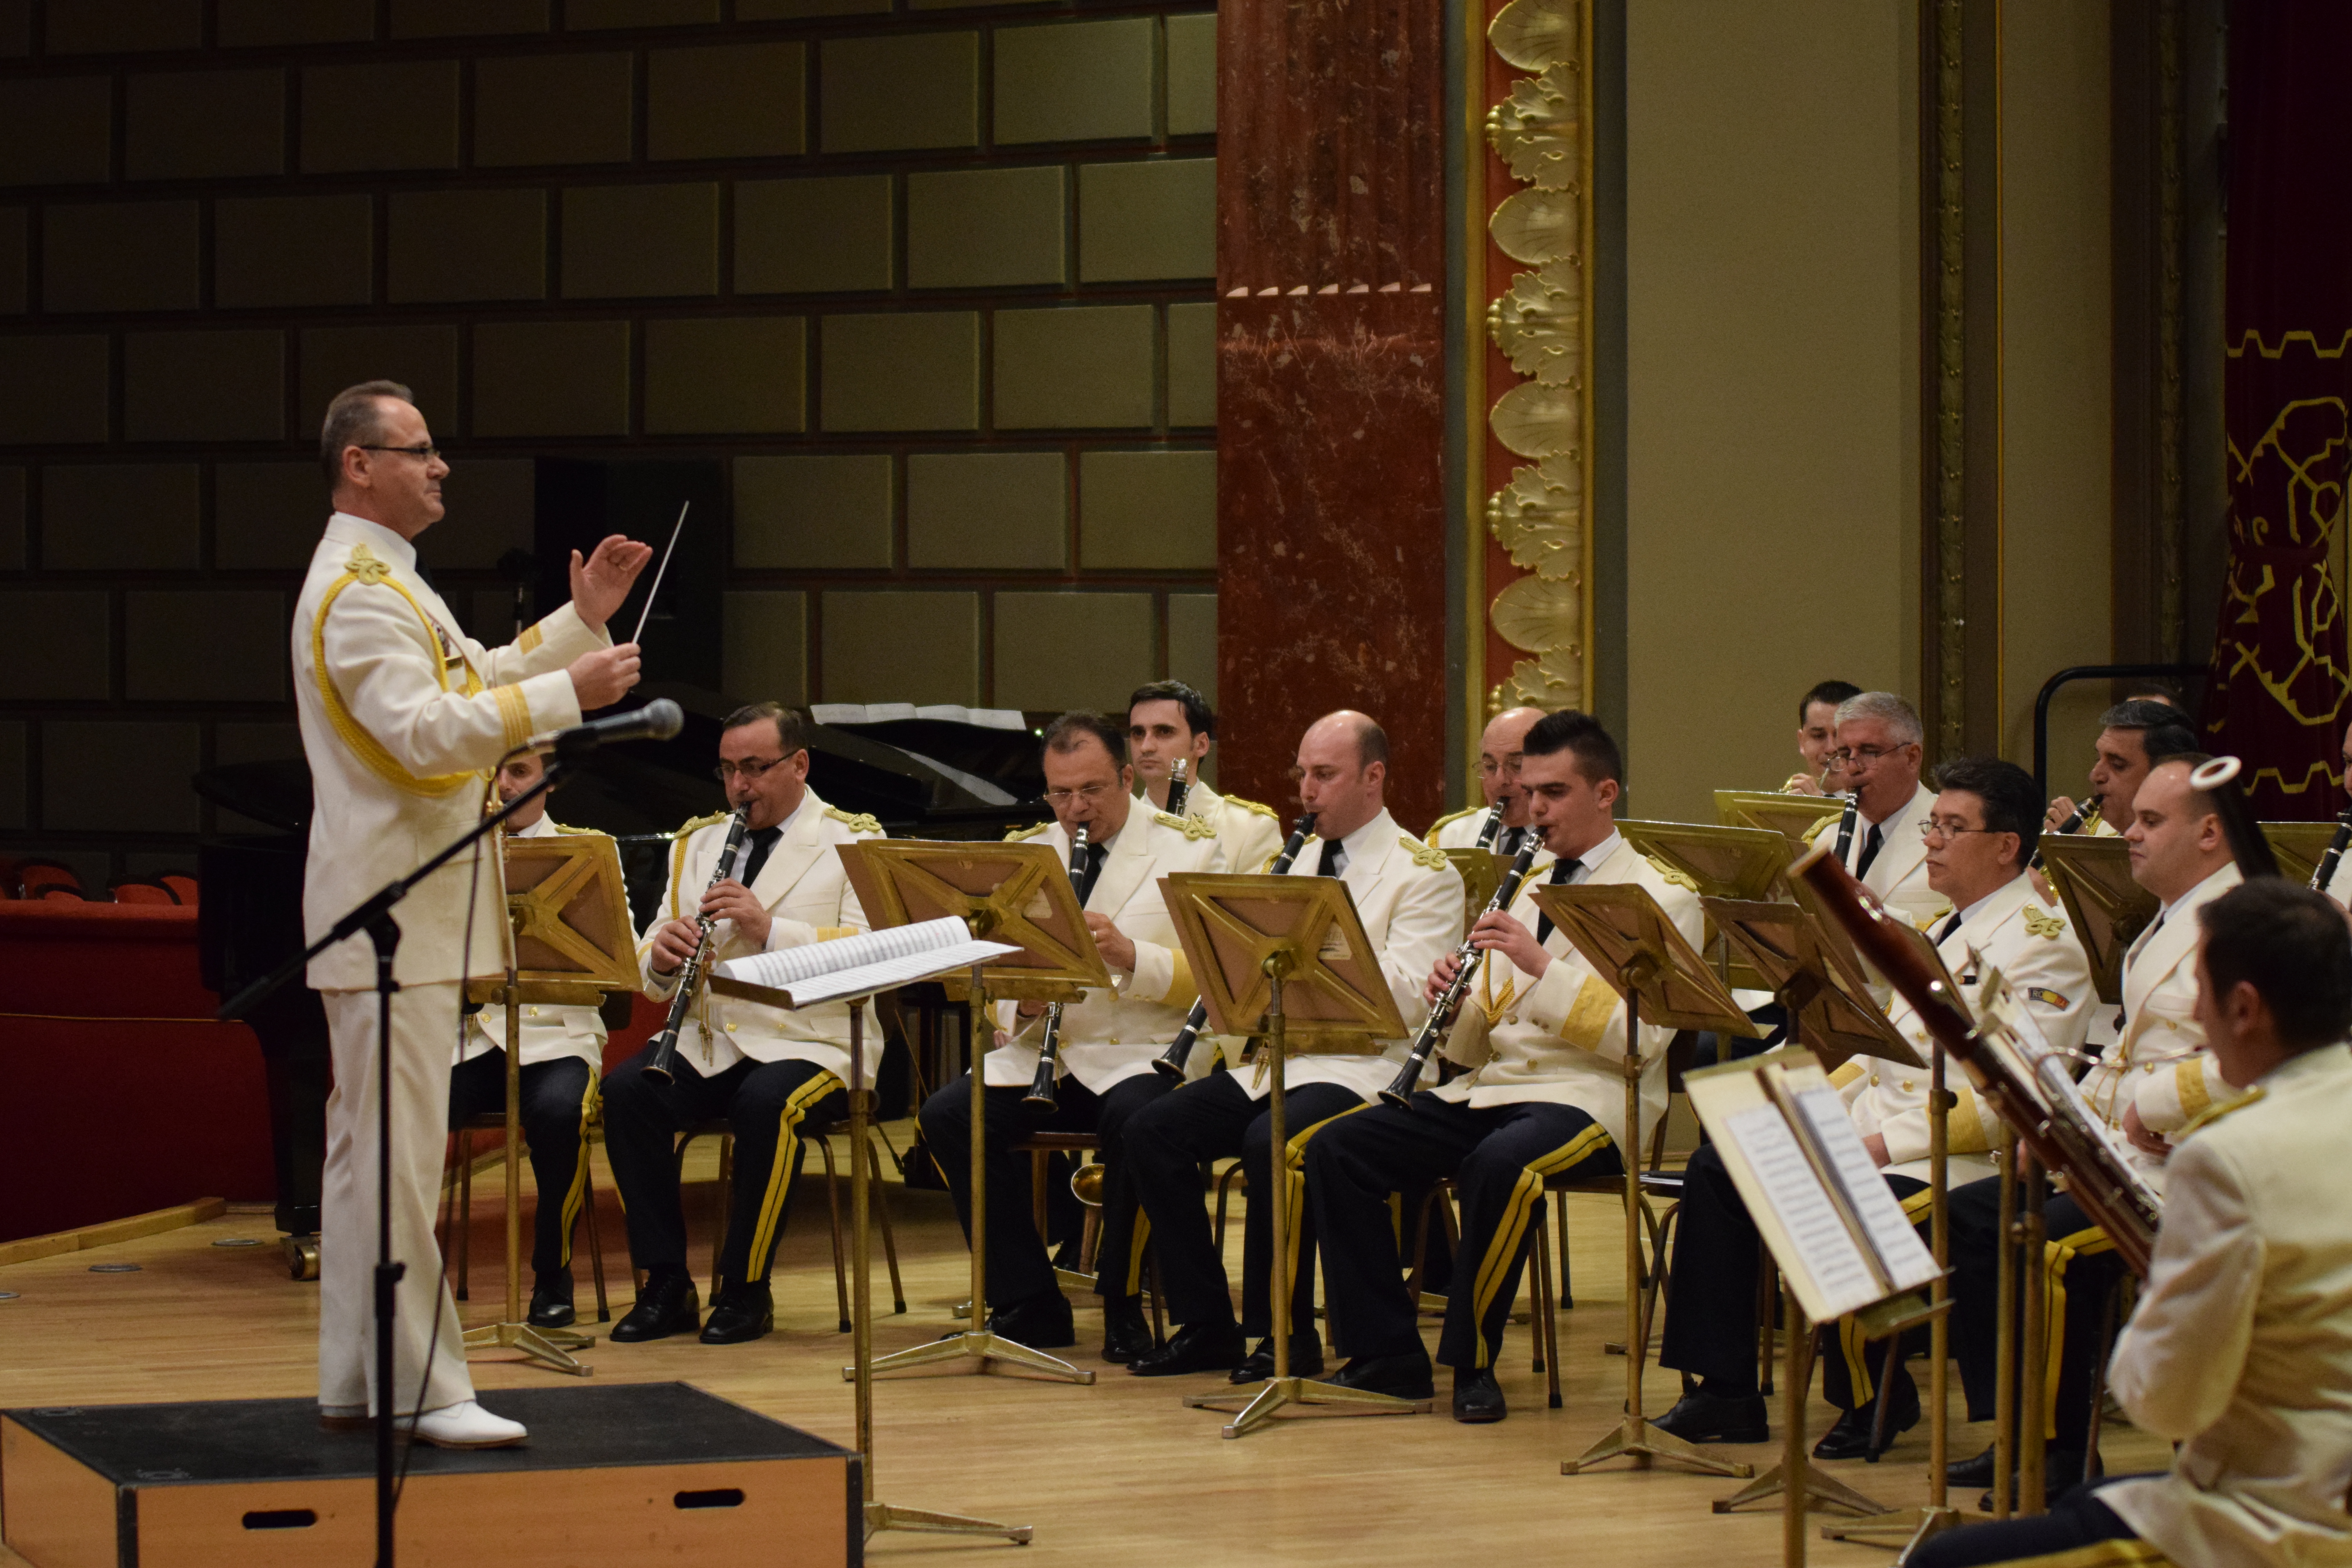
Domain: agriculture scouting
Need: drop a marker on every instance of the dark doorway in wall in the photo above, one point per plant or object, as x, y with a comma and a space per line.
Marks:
579, 502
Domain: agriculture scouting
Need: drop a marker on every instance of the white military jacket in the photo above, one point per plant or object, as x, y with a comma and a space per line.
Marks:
1562, 1039
2160, 1063
1409, 899
2041, 960
1251, 833
1460, 831
2240, 1348
805, 890
549, 1032
403, 716
1109, 1035
1899, 873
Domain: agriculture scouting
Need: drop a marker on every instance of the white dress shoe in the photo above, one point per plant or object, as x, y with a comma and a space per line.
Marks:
466, 1425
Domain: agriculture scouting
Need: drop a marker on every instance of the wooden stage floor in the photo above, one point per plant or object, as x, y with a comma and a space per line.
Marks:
1117, 1470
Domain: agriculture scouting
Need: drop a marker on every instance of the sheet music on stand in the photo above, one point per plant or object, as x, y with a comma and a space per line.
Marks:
855, 965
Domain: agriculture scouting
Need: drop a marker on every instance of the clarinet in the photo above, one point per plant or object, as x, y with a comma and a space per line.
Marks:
1488, 829
2084, 816
1178, 786
2321, 878
1845, 824
663, 1062
1049, 1046
1172, 1060
1466, 959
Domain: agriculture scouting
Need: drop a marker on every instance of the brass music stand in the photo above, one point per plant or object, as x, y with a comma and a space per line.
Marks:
1019, 893
2300, 847
1743, 863
2093, 878
568, 939
1285, 959
1482, 873
1631, 944
1791, 815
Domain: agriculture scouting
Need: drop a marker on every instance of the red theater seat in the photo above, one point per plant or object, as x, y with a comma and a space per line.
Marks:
140, 892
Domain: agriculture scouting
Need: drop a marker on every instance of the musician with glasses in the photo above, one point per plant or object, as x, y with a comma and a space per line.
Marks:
1109, 1039
1879, 754
1167, 721
1817, 738
1498, 777
769, 1071
2240, 1349
1979, 838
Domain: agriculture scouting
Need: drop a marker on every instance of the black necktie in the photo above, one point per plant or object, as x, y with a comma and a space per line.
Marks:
1561, 870
1869, 852
1334, 860
762, 840
1944, 933
1089, 867
1510, 844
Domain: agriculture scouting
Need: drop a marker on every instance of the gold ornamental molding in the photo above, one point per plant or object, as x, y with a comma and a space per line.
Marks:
1538, 519
1540, 324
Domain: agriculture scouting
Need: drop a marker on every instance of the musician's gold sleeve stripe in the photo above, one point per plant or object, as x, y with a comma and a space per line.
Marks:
531, 640
834, 934
1181, 991
514, 714
1967, 1123
1589, 1018
2099, 1554
1845, 1075
2189, 1077
1917, 1203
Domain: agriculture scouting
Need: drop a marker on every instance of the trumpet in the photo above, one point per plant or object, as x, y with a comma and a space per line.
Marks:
1049, 1046
662, 1061
1466, 959
1178, 786
1180, 1050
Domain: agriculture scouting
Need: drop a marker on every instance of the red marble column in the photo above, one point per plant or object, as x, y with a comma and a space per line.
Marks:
1330, 386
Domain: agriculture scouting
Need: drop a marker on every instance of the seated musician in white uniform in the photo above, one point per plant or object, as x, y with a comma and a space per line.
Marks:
2239, 1350
1107, 1041
1817, 739
1545, 1038
1499, 774
768, 1071
1980, 837
562, 1058
1167, 721
2133, 738
1879, 754
1410, 900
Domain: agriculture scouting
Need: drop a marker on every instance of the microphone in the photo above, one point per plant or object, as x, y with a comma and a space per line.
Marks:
657, 720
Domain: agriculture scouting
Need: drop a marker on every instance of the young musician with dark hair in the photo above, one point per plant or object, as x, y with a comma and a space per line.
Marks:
1817, 739
1166, 722
2239, 1350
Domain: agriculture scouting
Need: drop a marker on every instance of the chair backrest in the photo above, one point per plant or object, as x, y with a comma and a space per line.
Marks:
182, 886
61, 891
134, 891
34, 876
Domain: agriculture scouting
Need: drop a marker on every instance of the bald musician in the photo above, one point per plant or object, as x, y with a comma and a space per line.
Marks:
1880, 754
1498, 774
1409, 899
1817, 738
1167, 721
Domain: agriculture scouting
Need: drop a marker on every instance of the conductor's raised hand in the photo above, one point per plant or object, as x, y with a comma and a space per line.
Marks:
674, 944
731, 900
1500, 932
600, 583
1441, 977
604, 676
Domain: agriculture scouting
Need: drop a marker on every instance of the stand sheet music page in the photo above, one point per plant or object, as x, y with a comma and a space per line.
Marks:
870, 961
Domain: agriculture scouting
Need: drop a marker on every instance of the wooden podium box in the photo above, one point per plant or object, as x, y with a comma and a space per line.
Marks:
653, 1470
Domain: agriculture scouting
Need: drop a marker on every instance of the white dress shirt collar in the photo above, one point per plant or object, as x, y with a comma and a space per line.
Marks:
389, 546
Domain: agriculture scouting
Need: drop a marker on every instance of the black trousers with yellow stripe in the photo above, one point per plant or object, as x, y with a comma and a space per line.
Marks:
2079, 1268
1209, 1120
558, 1097
1497, 1156
2079, 1532
765, 1104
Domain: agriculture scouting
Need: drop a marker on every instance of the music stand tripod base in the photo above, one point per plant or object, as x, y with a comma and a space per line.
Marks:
550, 1347
1637, 1439
1258, 1409
882, 1516
1822, 1490
1905, 1527
994, 1354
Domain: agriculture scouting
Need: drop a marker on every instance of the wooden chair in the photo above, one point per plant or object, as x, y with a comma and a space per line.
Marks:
496, 1122
822, 1136
1041, 1148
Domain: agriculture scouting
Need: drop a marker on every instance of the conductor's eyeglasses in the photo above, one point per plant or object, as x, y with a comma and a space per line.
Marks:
750, 770
428, 452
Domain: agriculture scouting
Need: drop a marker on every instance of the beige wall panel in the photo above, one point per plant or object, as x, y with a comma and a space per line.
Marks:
447, 18
1086, 367
745, 374
887, 646
2056, 345
552, 109
1192, 642
1772, 480
1193, 74
1148, 510
582, 14
203, 386
813, 236
489, 502
982, 229
1192, 364
56, 131
993, 510
1155, 219
212, 646
422, 358
13, 795
14, 246
640, 240
53, 389
57, 647
737, 101
1074, 81
908, 90
551, 378
75, 755
765, 655
293, 251
245, 24
267, 516
109, 26
12, 519
122, 256
1073, 651
779, 10
395, 116
193, 125
467, 245
98, 517
913, 370
815, 513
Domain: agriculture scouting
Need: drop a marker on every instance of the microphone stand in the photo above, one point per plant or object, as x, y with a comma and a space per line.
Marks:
373, 916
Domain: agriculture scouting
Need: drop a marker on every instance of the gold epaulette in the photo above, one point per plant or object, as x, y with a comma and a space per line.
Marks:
689, 829
1816, 830
590, 832
2213, 1113
1679, 877
1018, 834
858, 822
2042, 925
1427, 857
1189, 826
1252, 806
1429, 837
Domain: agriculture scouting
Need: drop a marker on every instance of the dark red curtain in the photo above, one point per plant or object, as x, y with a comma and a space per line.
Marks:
2276, 694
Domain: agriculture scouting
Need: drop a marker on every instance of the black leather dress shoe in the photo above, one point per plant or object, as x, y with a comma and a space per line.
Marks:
1306, 1358
1126, 1333
1477, 1398
550, 1300
1699, 1417
670, 1304
1196, 1347
1042, 1322
1975, 1472
744, 1313
2062, 1472
1405, 1376
1850, 1438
